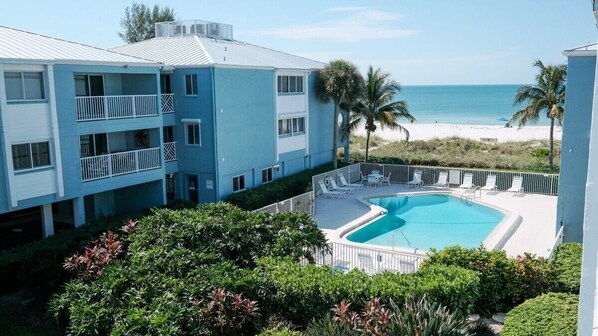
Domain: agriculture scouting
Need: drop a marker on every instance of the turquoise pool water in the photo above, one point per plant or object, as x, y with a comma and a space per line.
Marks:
428, 221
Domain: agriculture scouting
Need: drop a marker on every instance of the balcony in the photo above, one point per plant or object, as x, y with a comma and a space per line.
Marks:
116, 107
167, 102
110, 165
170, 151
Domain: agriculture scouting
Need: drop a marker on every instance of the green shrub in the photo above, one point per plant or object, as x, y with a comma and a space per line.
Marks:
284, 331
552, 314
567, 265
504, 282
303, 293
37, 266
480, 328
541, 153
277, 190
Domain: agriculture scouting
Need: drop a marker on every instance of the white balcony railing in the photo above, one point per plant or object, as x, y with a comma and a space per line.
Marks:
170, 151
109, 165
116, 107
167, 100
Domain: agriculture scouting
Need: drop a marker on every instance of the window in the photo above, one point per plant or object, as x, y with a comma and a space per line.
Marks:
89, 85
24, 85
191, 85
238, 183
93, 144
290, 84
266, 175
291, 127
31, 155
193, 137
168, 132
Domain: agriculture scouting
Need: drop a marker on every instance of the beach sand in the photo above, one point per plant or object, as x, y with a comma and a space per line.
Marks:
487, 133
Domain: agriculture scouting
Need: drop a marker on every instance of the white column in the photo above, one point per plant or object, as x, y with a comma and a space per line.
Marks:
587, 318
47, 220
79, 211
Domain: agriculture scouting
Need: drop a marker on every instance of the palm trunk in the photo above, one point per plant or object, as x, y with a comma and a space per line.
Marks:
551, 155
335, 136
367, 145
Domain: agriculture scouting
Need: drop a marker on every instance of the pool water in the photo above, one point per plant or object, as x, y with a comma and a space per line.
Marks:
428, 221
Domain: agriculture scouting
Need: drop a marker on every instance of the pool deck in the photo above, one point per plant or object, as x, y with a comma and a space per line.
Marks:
536, 233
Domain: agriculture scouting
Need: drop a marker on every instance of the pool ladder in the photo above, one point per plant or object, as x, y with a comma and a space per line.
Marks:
472, 194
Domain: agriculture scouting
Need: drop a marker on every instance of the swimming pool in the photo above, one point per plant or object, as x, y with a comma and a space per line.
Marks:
425, 221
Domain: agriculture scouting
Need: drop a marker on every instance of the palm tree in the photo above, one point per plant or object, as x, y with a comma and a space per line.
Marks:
547, 95
376, 107
338, 82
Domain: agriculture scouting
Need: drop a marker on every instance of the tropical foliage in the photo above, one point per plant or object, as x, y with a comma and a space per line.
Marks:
376, 106
552, 314
139, 21
338, 82
546, 96
567, 264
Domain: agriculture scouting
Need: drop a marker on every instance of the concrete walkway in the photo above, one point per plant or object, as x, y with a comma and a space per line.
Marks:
536, 233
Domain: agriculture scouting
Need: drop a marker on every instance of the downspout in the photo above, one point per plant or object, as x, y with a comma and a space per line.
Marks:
215, 132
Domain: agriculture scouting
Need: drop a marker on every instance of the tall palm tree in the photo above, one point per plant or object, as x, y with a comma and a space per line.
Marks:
338, 82
547, 95
377, 107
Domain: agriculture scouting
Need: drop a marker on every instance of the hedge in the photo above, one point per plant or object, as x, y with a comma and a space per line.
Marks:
37, 267
552, 314
304, 293
277, 190
567, 264
505, 282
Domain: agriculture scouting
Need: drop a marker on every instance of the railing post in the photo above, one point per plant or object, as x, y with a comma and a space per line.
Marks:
137, 161
109, 165
105, 104
133, 106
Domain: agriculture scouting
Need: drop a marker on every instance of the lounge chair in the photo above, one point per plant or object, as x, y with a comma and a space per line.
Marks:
490, 183
417, 179
442, 180
467, 181
335, 187
407, 266
386, 179
327, 193
366, 263
517, 186
343, 182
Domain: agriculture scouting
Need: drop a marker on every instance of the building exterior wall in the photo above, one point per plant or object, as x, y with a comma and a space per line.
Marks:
575, 146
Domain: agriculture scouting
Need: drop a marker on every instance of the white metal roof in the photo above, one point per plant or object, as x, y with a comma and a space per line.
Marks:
192, 50
584, 50
19, 45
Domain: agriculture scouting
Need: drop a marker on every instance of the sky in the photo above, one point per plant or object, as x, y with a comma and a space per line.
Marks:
420, 42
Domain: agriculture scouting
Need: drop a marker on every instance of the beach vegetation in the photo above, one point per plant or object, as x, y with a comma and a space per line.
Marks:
547, 95
460, 152
376, 107
339, 82
139, 21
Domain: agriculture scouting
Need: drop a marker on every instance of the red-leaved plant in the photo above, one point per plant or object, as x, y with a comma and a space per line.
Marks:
91, 261
374, 319
227, 312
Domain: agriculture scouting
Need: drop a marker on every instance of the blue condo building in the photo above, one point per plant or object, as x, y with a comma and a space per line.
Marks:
193, 114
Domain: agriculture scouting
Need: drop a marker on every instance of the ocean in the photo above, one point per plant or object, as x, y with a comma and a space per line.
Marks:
463, 104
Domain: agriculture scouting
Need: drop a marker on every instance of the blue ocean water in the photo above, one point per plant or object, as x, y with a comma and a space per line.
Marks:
462, 104
428, 221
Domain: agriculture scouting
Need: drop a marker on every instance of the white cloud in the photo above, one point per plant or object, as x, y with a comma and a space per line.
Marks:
361, 25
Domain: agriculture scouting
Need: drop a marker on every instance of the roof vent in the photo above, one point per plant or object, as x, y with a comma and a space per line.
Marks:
220, 31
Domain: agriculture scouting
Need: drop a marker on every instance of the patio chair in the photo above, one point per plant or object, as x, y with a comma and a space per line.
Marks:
467, 181
366, 263
406, 266
386, 179
517, 186
328, 193
343, 182
364, 179
372, 180
490, 183
417, 179
335, 187
442, 180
